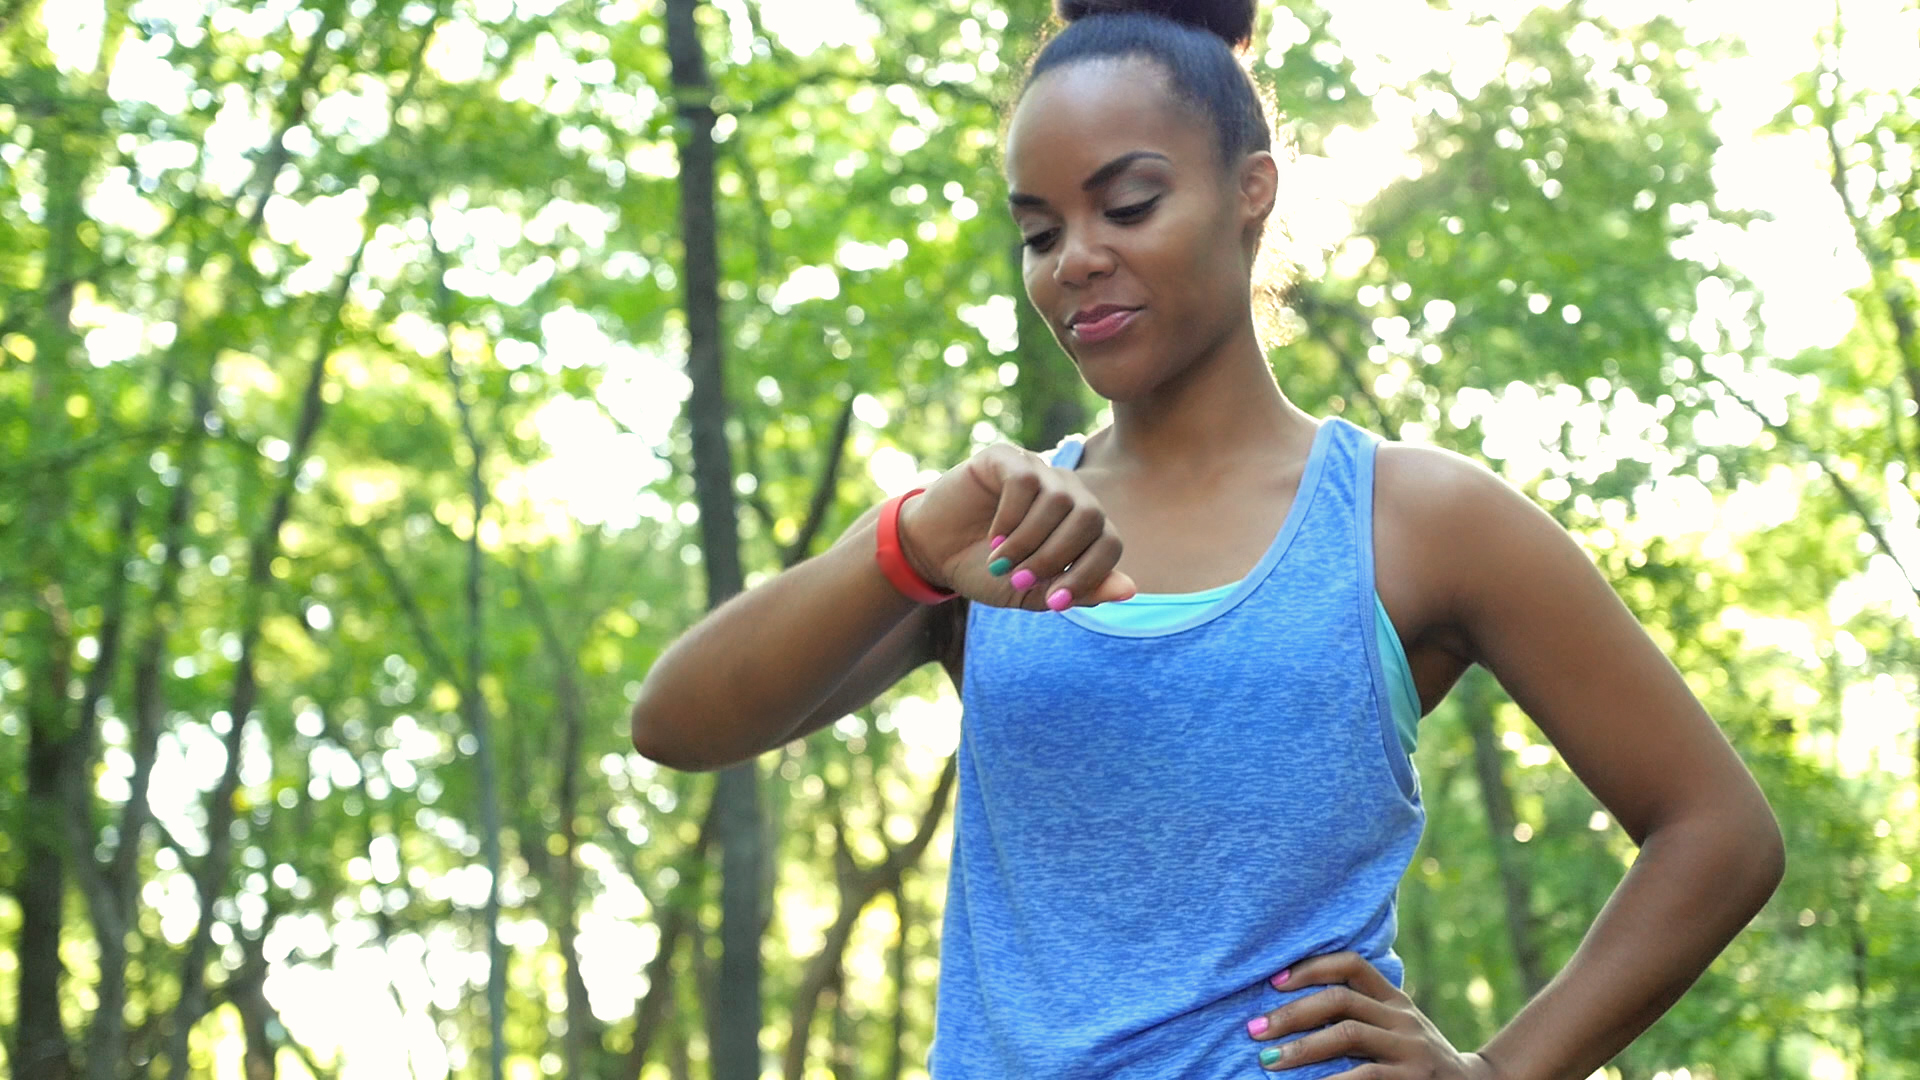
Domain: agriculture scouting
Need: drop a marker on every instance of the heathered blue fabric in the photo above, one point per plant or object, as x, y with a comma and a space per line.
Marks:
1152, 611
1151, 824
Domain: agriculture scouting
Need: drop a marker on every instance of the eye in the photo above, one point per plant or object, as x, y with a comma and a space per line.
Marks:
1041, 241
1128, 214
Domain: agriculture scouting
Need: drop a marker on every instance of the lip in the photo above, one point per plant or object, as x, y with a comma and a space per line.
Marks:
1100, 323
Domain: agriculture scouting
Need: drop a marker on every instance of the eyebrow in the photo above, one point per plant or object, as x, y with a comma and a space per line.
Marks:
1100, 176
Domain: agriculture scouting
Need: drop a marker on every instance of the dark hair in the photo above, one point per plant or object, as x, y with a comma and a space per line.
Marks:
1192, 40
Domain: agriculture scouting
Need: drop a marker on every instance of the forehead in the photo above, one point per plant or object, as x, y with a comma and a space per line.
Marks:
1077, 118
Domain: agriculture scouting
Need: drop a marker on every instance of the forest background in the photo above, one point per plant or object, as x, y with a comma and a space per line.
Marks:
383, 384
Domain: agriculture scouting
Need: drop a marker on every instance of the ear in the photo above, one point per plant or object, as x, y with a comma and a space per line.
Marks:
1257, 185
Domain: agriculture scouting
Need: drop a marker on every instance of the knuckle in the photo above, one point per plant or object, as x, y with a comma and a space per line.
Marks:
1056, 501
1347, 1034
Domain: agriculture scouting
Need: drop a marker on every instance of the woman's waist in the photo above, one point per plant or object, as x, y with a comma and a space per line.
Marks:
1148, 1021
1068, 955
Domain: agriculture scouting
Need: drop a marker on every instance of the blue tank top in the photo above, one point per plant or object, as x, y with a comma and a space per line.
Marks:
1150, 823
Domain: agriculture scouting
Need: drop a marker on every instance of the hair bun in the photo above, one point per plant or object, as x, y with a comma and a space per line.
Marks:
1230, 20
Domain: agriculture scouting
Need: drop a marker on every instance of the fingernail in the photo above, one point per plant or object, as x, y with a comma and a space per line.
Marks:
1021, 579
1270, 1056
1059, 599
996, 542
1281, 979
1257, 1026
1000, 566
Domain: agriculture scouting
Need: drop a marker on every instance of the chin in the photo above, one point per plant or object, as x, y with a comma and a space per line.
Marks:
1123, 375
1119, 384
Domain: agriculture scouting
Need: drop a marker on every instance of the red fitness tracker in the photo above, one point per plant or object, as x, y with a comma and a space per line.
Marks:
893, 562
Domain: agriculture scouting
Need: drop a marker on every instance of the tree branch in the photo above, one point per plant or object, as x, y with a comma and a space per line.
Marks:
824, 489
1892, 290
1847, 491
858, 886
673, 918
192, 1002
1311, 305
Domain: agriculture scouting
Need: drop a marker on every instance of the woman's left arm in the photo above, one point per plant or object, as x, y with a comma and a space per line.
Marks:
1518, 596
1536, 613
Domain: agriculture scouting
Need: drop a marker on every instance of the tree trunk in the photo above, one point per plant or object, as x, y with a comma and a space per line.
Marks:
581, 1026
41, 1049
679, 1061
248, 994
858, 886
843, 1050
1515, 879
733, 1027
1862, 1015
114, 900
675, 917
473, 702
897, 1053
192, 1002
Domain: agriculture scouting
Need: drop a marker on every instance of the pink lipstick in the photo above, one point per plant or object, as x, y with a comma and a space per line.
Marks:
1109, 323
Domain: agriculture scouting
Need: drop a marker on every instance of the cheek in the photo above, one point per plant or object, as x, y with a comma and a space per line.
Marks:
1037, 276
1186, 261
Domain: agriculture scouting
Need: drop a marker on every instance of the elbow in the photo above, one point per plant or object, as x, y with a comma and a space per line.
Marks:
1772, 869
1755, 857
678, 739
650, 730
1733, 850
1764, 847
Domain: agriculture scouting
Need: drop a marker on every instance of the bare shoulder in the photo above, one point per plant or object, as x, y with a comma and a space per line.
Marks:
1464, 552
1435, 487
1451, 498
1521, 598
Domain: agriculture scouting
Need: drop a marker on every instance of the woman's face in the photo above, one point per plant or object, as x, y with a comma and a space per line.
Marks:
1138, 245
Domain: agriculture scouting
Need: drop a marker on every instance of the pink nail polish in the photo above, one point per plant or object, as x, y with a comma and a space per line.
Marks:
1022, 579
1280, 980
996, 542
1059, 599
1257, 1026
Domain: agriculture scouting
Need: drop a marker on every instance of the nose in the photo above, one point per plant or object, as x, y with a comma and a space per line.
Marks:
1084, 256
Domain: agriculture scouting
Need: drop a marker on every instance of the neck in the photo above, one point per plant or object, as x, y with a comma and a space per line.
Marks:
1222, 407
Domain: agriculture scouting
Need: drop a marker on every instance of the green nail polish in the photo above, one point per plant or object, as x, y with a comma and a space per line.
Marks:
1270, 1056
999, 566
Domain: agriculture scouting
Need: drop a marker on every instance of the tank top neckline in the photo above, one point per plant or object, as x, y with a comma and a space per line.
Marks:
1068, 457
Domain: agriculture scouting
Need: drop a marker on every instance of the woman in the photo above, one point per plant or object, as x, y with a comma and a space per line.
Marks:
1185, 801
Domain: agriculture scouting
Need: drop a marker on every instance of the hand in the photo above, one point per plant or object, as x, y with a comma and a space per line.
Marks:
1360, 1015
1058, 549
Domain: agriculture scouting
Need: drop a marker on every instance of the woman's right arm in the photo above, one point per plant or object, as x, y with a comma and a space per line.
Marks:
825, 637
782, 659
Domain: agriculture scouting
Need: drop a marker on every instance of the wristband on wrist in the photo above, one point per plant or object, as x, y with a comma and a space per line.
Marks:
893, 561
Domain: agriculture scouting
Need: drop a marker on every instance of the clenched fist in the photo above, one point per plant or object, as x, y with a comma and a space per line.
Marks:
1004, 528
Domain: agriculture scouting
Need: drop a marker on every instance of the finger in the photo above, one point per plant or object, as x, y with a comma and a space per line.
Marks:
1321, 1008
1092, 579
1342, 967
1348, 1038
1018, 489
1081, 536
1045, 512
